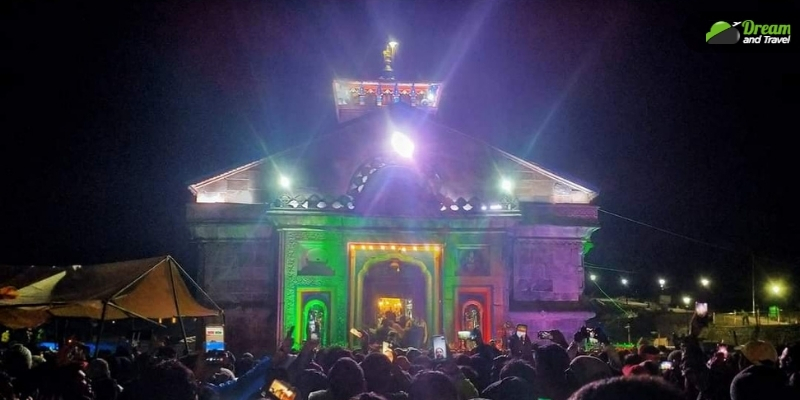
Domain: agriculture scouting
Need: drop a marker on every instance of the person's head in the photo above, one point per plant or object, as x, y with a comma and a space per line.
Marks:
649, 353
329, 356
170, 380
551, 361
519, 368
463, 359
432, 385
17, 359
638, 387
368, 396
377, 372
72, 382
310, 381
346, 379
402, 362
676, 356
98, 369
790, 358
586, 369
759, 352
756, 381
412, 354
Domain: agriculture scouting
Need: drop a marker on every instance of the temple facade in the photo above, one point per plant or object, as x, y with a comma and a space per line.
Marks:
391, 211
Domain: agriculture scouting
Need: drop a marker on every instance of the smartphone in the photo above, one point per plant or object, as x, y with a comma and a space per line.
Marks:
666, 365
280, 390
464, 335
314, 336
355, 332
545, 335
387, 350
722, 349
439, 348
701, 309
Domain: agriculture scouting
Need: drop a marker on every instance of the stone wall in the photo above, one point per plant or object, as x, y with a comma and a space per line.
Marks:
776, 334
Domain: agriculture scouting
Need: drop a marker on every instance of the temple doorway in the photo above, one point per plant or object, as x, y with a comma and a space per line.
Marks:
398, 279
396, 288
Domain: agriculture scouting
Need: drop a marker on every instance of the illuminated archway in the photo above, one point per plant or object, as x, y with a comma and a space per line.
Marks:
431, 275
325, 320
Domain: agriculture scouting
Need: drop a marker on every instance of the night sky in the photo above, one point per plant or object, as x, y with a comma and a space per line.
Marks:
110, 109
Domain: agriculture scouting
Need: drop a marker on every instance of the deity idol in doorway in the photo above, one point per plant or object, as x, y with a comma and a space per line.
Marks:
472, 317
314, 324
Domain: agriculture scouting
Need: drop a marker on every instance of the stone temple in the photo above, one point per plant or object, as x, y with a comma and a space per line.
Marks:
391, 211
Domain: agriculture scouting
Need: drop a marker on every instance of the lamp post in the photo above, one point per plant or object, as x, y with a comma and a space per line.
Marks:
662, 282
705, 282
624, 282
776, 289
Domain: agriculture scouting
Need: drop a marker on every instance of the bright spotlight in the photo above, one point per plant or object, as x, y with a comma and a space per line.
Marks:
662, 281
506, 185
705, 282
393, 44
624, 281
285, 182
402, 145
593, 277
776, 289
687, 300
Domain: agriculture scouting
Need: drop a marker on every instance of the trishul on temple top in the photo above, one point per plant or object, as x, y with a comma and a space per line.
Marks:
355, 98
388, 57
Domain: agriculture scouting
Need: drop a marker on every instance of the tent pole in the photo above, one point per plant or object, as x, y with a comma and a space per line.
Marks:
178, 309
100, 334
196, 285
135, 315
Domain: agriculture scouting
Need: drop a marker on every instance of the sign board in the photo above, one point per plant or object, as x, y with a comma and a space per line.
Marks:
773, 312
215, 337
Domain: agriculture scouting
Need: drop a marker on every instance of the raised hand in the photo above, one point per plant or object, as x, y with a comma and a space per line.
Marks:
580, 335
558, 338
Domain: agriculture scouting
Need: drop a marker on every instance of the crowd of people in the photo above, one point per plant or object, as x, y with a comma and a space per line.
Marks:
556, 370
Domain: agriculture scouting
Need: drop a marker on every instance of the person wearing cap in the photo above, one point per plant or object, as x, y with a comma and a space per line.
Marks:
758, 352
649, 353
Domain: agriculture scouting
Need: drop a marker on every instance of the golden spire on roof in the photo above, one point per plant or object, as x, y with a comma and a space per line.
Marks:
388, 57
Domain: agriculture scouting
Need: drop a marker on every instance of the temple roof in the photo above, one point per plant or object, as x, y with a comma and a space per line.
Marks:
345, 162
356, 98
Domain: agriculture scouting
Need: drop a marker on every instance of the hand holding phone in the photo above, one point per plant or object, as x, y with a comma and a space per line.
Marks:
280, 390
387, 351
701, 309
439, 348
544, 335
666, 365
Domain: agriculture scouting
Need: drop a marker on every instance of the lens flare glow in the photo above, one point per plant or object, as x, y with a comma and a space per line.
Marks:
402, 145
506, 185
285, 182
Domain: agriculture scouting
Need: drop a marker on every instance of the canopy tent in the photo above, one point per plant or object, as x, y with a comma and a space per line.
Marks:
150, 288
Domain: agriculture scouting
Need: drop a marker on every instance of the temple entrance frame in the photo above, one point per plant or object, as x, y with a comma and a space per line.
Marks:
399, 251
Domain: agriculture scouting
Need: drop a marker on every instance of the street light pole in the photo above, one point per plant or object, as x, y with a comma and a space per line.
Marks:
753, 277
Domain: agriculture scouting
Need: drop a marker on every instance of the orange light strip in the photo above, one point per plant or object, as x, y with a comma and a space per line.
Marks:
401, 247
